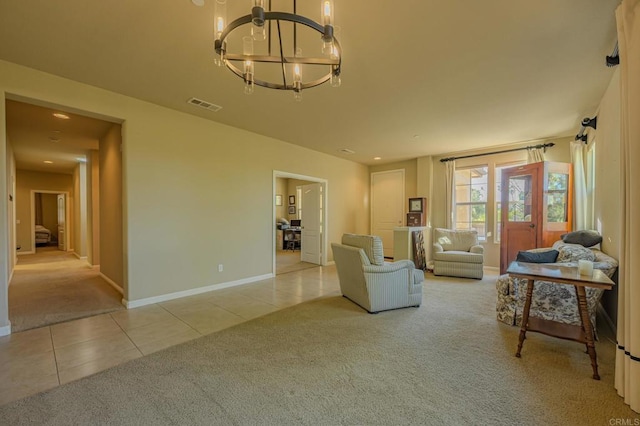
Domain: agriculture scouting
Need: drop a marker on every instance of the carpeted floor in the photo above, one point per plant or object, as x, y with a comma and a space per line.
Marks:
53, 286
328, 362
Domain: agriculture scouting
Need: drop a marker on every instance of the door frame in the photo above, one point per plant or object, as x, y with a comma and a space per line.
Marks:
325, 207
32, 224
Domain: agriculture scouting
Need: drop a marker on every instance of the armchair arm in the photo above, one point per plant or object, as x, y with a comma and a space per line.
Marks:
437, 248
388, 267
477, 249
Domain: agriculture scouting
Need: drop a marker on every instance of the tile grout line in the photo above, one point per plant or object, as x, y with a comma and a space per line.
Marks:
55, 357
126, 334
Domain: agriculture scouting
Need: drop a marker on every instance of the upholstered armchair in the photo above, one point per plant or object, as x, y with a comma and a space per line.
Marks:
456, 253
367, 280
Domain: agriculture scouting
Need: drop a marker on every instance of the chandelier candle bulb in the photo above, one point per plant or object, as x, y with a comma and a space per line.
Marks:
219, 23
327, 12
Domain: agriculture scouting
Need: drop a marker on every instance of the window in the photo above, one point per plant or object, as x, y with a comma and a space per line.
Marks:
471, 199
498, 198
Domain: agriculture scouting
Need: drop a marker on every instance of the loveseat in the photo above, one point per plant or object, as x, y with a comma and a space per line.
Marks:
553, 301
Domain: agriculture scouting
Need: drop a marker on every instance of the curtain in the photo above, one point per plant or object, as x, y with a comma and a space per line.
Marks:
580, 202
627, 380
450, 194
535, 155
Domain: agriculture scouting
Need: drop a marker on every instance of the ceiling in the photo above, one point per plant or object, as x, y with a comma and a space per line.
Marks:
420, 77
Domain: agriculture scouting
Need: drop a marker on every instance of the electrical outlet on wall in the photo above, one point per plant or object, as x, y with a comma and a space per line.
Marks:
220, 267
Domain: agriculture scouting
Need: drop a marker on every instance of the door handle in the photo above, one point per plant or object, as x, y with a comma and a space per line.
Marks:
533, 225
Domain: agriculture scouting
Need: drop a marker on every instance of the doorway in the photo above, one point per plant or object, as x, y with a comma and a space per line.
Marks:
387, 206
49, 213
58, 181
299, 218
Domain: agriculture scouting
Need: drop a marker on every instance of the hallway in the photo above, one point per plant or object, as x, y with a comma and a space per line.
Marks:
54, 286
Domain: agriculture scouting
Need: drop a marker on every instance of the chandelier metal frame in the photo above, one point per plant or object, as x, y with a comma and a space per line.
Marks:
268, 17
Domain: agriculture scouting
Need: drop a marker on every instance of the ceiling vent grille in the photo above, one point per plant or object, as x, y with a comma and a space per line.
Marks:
204, 104
347, 151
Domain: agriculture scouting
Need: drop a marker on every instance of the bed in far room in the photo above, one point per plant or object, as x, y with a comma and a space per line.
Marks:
43, 235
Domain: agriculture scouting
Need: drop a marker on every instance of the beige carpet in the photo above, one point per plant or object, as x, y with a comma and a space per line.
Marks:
327, 362
54, 286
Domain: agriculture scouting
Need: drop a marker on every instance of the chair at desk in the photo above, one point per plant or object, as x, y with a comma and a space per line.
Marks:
291, 239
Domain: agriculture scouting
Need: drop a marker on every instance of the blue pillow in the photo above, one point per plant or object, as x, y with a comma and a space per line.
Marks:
537, 257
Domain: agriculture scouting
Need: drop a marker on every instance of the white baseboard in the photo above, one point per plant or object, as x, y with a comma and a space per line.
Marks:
330, 263
130, 304
6, 330
20, 253
79, 257
491, 268
112, 283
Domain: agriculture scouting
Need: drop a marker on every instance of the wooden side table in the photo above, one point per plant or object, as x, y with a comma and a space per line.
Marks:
560, 274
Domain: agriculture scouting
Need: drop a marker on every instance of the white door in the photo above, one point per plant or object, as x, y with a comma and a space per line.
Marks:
387, 206
311, 224
61, 222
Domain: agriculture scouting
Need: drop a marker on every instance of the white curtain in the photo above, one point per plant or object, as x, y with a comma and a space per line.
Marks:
450, 194
627, 380
535, 155
580, 201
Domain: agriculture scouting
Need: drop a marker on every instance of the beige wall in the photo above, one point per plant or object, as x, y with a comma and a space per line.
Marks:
282, 188
111, 225
26, 181
196, 193
436, 169
93, 208
608, 198
5, 158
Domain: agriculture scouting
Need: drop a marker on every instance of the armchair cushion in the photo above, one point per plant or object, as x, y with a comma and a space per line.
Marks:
457, 240
574, 252
549, 256
584, 238
371, 244
458, 256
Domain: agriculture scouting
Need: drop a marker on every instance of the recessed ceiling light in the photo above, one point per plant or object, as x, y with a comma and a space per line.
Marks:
377, 158
198, 2
48, 162
54, 139
60, 115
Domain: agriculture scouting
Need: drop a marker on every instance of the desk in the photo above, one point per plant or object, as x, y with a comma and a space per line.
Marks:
565, 275
291, 238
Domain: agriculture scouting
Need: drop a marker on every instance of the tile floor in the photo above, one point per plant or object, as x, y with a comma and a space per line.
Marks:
36, 360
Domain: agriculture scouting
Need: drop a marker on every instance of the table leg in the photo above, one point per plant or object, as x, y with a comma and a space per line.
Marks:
586, 325
525, 316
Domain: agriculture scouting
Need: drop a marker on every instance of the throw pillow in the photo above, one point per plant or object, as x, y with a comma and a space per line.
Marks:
573, 253
537, 257
584, 238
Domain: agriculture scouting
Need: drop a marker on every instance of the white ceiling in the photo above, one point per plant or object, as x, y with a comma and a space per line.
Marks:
419, 77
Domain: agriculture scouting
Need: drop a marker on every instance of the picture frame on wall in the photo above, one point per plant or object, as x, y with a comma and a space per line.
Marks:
278, 200
292, 209
292, 199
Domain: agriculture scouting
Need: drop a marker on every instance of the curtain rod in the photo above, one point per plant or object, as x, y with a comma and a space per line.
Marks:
586, 122
540, 146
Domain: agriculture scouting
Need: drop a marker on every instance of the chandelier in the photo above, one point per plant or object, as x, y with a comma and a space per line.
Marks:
271, 53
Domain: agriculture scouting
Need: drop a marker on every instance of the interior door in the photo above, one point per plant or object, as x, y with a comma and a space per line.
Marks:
61, 222
387, 206
311, 234
520, 212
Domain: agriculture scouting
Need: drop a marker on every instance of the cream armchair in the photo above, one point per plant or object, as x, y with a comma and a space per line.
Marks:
456, 253
367, 280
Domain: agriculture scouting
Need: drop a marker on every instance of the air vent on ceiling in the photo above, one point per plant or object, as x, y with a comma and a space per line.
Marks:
204, 104
346, 151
